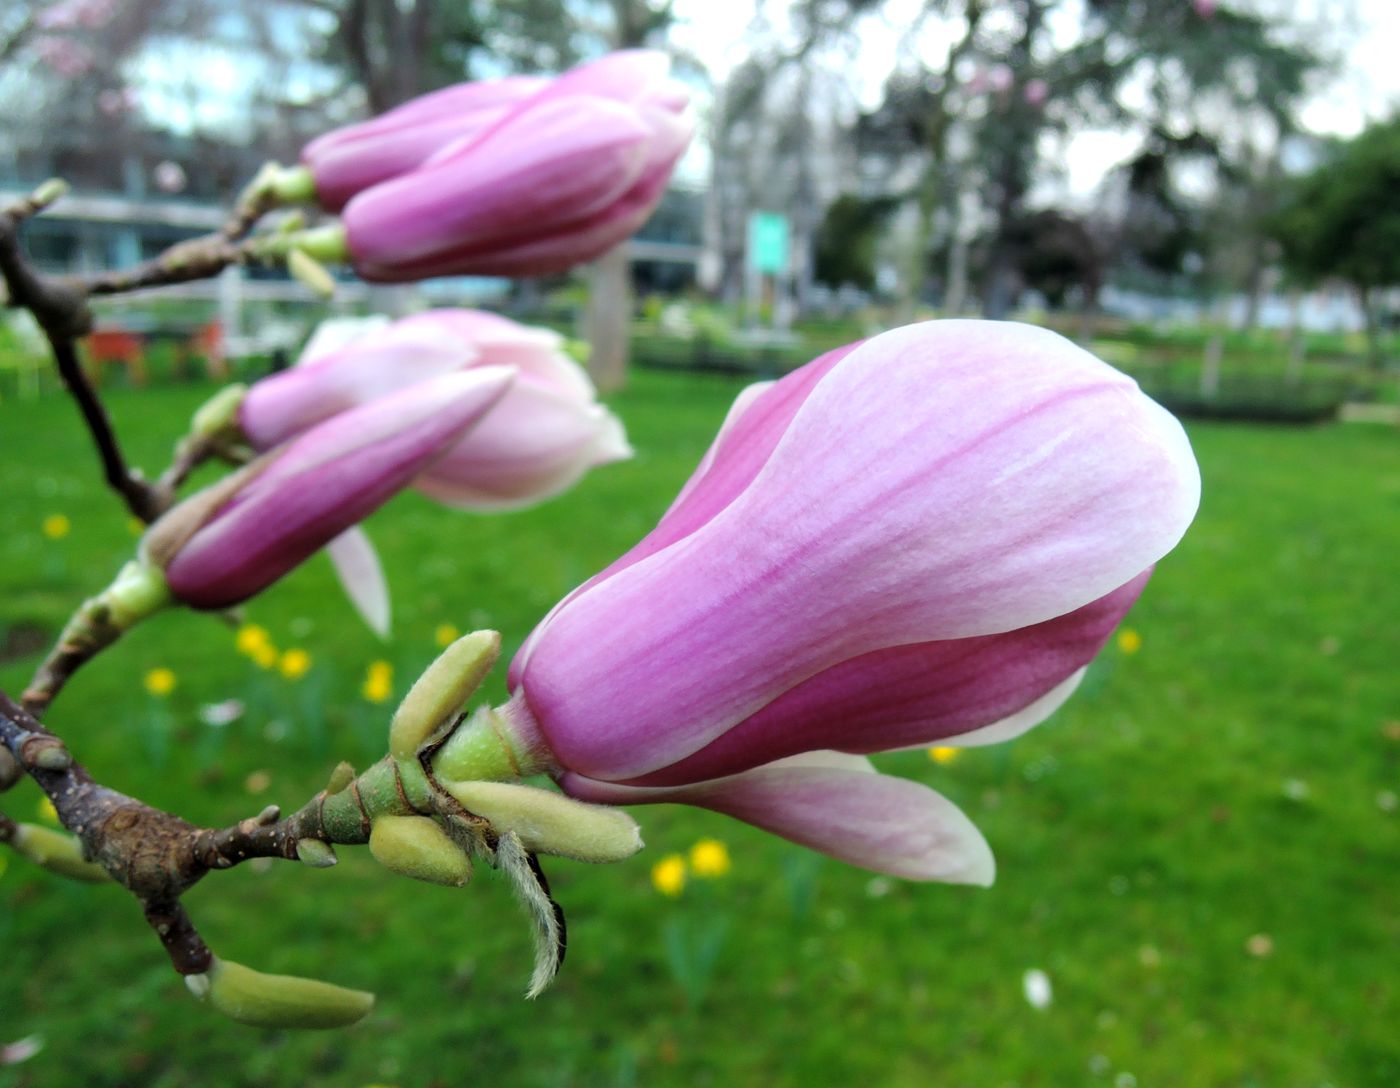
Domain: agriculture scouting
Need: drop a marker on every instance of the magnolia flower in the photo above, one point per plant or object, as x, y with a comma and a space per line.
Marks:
921, 538
351, 159
543, 435
236, 538
562, 176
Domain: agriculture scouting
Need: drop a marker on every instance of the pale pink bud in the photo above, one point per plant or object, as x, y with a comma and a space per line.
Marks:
921, 538
1036, 92
351, 159
224, 545
543, 435
565, 175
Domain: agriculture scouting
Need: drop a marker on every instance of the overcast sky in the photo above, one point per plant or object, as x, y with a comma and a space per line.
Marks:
1365, 32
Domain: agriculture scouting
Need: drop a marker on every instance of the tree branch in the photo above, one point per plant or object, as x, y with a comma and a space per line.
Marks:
62, 312
147, 851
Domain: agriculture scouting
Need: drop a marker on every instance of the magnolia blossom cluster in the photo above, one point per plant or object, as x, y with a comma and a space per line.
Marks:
515, 176
470, 408
922, 538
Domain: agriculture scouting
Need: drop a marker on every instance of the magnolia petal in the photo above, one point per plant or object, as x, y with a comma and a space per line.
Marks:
374, 363
536, 443
920, 694
746, 399
351, 159
1024, 720
839, 806
555, 165
335, 333
318, 485
361, 575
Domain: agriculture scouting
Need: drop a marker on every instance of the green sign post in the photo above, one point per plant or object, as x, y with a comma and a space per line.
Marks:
768, 242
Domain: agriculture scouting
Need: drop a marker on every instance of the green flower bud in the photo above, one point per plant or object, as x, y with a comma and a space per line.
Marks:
277, 1001
416, 847
550, 823
311, 273
439, 694
57, 852
341, 777
315, 853
138, 591
218, 416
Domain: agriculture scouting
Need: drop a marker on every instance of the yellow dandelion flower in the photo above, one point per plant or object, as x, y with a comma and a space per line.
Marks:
943, 754
46, 811
294, 664
444, 634
668, 875
160, 682
250, 638
709, 859
264, 656
1129, 641
379, 682
56, 526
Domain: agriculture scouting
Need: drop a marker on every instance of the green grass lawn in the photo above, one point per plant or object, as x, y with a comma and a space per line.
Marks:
1200, 850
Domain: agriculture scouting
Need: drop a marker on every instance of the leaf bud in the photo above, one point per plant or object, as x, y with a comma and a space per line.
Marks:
417, 847
277, 1001
550, 823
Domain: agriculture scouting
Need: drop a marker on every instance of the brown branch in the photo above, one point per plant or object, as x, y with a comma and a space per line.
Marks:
62, 312
147, 851
196, 259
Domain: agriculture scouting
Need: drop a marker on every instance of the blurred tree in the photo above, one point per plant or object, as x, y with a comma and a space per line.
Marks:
1343, 220
846, 241
1010, 76
779, 132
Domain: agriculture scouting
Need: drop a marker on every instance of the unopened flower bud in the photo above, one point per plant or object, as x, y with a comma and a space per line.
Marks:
550, 823
417, 847
341, 776
277, 1001
315, 853
218, 416
439, 694
225, 544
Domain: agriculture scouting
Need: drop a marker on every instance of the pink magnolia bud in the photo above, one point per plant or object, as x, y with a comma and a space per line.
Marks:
351, 159
1037, 91
563, 176
225, 544
921, 538
543, 435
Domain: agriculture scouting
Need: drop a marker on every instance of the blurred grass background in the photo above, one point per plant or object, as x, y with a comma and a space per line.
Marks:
1199, 851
